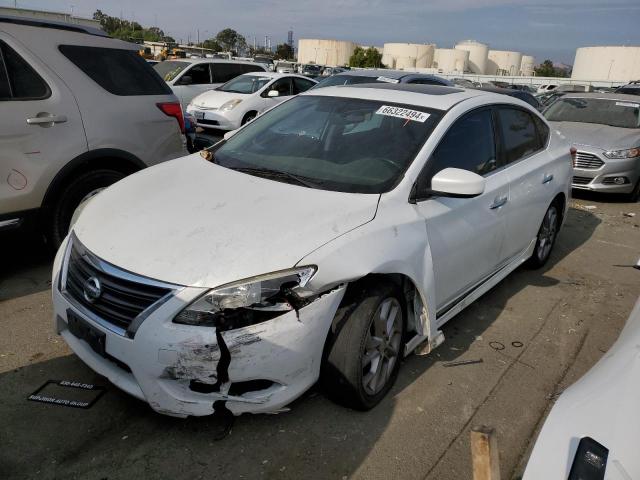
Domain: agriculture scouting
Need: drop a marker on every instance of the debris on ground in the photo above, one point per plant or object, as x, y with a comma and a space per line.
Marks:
462, 362
629, 214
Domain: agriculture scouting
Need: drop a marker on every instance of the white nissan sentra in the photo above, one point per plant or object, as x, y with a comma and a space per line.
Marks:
325, 240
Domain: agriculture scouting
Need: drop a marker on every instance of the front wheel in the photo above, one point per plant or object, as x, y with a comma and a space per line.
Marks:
546, 237
249, 117
363, 355
75, 195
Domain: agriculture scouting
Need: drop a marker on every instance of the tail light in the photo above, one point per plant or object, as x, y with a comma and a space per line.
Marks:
173, 109
573, 151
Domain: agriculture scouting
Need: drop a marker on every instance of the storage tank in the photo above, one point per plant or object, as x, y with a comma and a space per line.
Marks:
618, 64
403, 63
422, 52
449, 60
504, 62
527, 65
388, 61
478, 53
332, 53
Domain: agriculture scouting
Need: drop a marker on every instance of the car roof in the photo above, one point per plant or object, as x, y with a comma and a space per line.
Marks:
607, 96
430, 96
276, 75
36, 22
210, 60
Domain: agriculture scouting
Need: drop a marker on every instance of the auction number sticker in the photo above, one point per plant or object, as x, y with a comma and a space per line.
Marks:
405, 113
627, 104
388, 80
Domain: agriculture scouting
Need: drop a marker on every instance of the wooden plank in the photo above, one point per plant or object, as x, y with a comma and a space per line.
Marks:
484, 453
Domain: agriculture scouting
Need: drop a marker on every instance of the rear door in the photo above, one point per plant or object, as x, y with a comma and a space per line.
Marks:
40, 127
466, 235
532, 173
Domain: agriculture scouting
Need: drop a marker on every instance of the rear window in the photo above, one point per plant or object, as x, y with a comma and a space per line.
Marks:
120, 72
346, 80
18, 81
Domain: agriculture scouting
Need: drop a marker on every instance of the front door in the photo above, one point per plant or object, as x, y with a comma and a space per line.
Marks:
466, 235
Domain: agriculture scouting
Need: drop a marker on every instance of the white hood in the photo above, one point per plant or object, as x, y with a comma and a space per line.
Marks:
194, 223
216, 98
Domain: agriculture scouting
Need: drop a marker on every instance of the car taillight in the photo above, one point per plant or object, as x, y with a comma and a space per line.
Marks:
173, 109
573, 151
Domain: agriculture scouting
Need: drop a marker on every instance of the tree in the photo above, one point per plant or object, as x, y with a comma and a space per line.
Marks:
231, 41
131, 31
546, 69
212, 44
369, 58
284, 51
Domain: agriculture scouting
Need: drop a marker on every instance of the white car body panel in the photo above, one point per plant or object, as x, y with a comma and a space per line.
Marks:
209, 226
602, 405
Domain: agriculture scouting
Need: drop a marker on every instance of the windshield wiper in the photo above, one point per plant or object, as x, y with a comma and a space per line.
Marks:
275, 174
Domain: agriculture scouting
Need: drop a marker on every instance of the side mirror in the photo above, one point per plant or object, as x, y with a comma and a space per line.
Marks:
186, 80
455, 182
273, 93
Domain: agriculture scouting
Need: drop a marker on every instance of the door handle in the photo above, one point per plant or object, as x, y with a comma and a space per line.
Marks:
547, 178
498, 202
46, 119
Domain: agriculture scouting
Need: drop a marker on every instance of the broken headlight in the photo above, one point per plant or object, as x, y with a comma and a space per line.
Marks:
250, 301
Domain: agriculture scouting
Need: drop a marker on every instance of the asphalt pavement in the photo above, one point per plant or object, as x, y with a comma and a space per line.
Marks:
527, 339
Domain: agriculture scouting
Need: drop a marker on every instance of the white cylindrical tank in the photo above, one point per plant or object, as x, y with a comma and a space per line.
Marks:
618, 64
332, 53
504, 62
388, 60
478, 53
423, 53
403, 63
527, 65
450, 60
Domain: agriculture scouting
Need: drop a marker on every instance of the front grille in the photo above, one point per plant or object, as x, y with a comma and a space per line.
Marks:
587, 161
582, 180
121, 300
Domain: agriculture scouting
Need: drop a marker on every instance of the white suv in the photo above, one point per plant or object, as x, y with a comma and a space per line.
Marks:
326, 239
78, 111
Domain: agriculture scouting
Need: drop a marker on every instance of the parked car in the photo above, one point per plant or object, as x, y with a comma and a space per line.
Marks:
244, 98
524, 88
326, 239
463, 82
519, 94
547, 99
80, 111
546, 87
605, 130
285, 67
311, 71
353, 77
632, 88
328, 71
266, 62
189, 78
591, 432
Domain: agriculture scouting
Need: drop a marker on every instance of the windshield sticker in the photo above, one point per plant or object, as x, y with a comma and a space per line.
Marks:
388, 80
627, 104
405, 113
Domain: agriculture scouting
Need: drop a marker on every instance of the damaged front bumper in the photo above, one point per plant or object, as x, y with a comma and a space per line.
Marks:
184, 370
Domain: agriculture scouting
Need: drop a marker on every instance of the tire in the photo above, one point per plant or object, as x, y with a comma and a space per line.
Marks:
361, 358
634, 196
546, 238
77, 191
249, 117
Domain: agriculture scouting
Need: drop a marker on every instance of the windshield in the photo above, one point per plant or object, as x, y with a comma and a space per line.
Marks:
245, 84
346, 80
341, 144
603, 111
169, 70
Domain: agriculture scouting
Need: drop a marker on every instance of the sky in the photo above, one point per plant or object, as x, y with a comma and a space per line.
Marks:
542, 28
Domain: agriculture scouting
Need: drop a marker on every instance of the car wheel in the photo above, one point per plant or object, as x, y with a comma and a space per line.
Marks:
546, 237
249, 117
73, 199
364, 351
634, 196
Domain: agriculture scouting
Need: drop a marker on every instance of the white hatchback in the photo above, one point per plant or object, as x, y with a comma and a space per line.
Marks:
326, 239
244, 98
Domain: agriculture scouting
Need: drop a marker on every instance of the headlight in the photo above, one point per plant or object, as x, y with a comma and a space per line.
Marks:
230, 105
250, 301
629, 153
